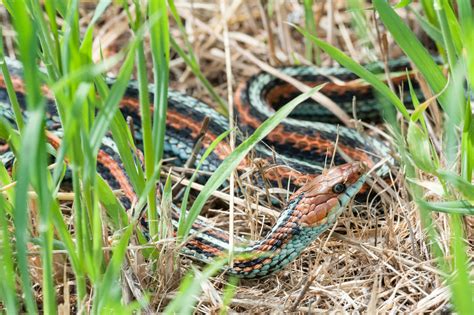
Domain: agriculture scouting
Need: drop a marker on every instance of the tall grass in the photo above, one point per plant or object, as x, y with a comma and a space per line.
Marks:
85, 119
88, 107
453, 171
311, 51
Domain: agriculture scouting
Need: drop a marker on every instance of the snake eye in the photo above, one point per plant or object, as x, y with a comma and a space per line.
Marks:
339, 188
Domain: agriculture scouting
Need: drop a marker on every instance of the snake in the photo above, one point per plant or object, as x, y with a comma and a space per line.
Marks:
297, 150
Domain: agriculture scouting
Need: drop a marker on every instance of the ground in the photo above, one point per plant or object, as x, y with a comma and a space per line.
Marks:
376, 259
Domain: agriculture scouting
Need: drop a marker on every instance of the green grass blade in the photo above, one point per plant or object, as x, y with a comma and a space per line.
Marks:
27, 46
31, 163
190, 289
466, 16
356, 68
184, 204
122, 137
150, 186
70, 245
454, 26
408, 42
107, 288
51, 9
159, 36
5, 179
310, 25
9, 134
30, 143
192, 62
467, 146
461, 184
429, 10
43, 33
113, 207
146, 116
9, 86
7, 270
124, 141
420, 148
359, 20
42, 182
402, 4
87, 41
165, 226
86, 73
107, 113
448, 36
461, 285
432, 31
229, 292
460, 206
70, 128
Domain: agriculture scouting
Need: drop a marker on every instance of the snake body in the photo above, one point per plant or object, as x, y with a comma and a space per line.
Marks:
303, 149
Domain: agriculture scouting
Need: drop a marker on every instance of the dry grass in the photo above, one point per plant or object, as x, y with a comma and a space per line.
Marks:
375, 260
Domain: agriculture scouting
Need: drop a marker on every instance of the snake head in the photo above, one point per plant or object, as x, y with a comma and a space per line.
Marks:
322, 199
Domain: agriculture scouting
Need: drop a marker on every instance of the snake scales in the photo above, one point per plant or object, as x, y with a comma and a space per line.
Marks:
304, 143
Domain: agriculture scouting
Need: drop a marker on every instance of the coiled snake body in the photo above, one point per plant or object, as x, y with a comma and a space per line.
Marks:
303, 148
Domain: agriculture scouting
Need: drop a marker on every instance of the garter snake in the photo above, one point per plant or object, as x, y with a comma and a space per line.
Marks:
303, 148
